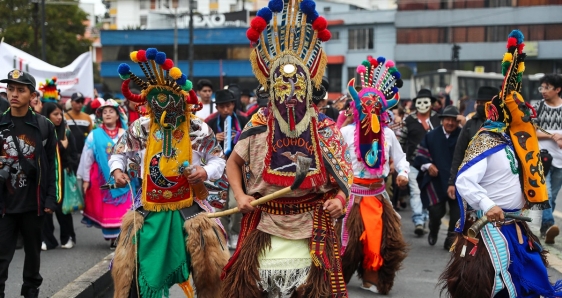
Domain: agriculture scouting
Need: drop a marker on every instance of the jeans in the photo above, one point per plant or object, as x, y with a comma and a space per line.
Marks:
419, 216
553, 185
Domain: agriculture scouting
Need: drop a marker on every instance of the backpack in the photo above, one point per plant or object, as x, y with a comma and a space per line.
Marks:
545, 156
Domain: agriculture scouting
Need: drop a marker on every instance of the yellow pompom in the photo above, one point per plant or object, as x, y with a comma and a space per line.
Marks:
133, 56
507, 57
521, 67
175, 73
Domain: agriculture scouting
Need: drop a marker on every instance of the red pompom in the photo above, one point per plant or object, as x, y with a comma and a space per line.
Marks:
324, 35
258, 24
373, 61
520, 48
192, 98
320, 24
511, 42
253, 35
141, 56
168, 64
95, 104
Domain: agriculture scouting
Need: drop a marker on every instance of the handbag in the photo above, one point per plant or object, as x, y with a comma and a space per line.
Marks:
546, 159
73, 199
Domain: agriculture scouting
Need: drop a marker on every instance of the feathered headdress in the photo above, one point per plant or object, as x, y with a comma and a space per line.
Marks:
511, 109
299, 34
49, 90
380, 81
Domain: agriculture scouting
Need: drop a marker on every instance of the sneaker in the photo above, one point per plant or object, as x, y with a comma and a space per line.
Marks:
419, 230
112, 244
233, 241
43, 246
551, 233
372, 288
69, 244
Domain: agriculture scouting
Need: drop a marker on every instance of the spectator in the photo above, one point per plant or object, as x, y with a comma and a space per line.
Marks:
205, 93
433, 159
78, 122
28, 188
247, 99
225, 103
484, 95
68, 158
320, 99
549, 116
4, 104
36, 103
103, 208
261, 101
415, 126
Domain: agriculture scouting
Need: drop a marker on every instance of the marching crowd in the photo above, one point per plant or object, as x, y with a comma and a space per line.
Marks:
154, 172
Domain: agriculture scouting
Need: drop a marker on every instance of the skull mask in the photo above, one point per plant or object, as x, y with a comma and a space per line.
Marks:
423, 104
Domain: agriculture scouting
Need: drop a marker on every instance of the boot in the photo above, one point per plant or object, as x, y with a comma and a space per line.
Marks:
30, 293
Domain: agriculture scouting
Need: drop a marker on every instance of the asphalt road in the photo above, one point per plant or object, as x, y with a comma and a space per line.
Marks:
418, 277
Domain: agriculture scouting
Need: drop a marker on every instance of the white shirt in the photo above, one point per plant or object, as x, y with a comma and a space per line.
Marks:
550, 120
205, 111
490, 182
392, 149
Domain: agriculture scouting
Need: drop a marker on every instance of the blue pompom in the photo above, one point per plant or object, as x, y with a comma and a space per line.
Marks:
160, 58
265, 13
310, 18
308, 7
394, 89
381, 60
276, 5
396, 75
518, 35
123, 69
181, 81
151, 53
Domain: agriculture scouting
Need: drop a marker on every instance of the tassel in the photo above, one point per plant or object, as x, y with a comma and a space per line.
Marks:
375, 125
519, 234
187, 289
463, 251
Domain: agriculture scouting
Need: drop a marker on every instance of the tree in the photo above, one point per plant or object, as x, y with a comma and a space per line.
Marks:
65, 27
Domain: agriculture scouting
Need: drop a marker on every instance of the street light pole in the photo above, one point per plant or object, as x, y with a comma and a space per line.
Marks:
176, 33
191, 40
43, 34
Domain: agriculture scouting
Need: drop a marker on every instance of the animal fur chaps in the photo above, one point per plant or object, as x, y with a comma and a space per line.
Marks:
393, 247
209, 254
124, 261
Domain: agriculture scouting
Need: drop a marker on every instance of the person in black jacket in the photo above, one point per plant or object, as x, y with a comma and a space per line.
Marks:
433, 159
4, 104
485, 94
415, 126
68, 161
29, 185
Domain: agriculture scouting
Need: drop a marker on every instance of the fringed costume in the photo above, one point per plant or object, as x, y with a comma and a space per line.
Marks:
288, 247
502, 168
372, 242
167, 236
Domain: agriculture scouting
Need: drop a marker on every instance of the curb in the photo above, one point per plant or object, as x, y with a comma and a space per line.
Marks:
91, 284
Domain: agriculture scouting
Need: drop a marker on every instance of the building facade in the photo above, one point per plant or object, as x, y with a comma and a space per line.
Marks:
427, 31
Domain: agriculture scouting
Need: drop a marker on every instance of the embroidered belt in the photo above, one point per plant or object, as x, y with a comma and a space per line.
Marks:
187, 213
290, 206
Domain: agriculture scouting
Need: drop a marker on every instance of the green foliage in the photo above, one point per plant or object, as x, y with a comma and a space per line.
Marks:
20, 27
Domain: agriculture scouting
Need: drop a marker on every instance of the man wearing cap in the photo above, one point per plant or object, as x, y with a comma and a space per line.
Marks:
80, 123
225, 102
485, 94
29, 179
4, 104
415, 126
433, 159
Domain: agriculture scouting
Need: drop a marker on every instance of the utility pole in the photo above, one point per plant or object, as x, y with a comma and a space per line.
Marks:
43, 34
175, 4
191, 4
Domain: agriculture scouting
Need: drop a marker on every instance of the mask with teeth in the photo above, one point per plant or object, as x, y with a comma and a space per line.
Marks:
423, 104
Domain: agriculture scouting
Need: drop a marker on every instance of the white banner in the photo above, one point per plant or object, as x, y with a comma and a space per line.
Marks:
76, 77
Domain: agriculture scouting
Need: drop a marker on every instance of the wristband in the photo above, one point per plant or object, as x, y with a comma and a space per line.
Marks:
342, 199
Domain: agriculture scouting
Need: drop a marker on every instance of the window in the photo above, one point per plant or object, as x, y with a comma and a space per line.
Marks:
143, 4
143, 21
335, 35
352, 74
361, 39
335, 77
327, 8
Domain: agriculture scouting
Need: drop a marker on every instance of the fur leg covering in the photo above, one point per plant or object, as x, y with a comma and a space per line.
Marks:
125, 260
468, 276
353, 257
209, 254
393, 248
242, 280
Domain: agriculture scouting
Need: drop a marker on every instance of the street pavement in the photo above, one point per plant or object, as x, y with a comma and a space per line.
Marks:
418, 278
